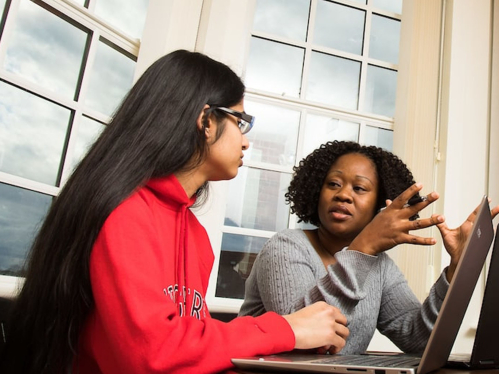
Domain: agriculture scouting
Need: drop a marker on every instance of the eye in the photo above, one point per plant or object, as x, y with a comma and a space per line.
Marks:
360, 189
333, 184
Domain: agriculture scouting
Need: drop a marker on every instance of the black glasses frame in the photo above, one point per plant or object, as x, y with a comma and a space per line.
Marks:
245, 120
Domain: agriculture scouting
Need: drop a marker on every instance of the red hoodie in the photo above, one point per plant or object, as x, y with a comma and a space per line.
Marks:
149, 271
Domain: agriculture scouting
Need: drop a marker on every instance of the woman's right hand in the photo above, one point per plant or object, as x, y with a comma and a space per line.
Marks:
319, 325
391, 226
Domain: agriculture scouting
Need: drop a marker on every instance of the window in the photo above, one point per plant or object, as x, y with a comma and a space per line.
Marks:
64, 67
317, 70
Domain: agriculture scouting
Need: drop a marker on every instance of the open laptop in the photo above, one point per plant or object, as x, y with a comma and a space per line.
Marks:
442, 336
485, 354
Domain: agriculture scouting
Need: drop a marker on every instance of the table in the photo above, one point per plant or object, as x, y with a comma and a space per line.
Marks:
440, 371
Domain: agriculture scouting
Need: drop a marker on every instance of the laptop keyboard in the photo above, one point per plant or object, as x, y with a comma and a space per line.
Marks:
376, 361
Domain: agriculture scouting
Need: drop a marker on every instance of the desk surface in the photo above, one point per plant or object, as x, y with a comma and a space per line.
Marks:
441, 371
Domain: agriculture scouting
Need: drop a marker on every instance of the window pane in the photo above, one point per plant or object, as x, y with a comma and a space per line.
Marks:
321, 129
273, 138
256, 200
394, 6
385, 39
274, 67
333, 80
2, 6
111, 78
88, 131
381, 90
379, 137
128, 16
270, 15
236, 260
334, 22
45, 50
31, 141
21, 213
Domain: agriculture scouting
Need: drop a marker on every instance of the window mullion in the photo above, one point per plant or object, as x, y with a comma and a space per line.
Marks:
364, 59
308, 49
28, 184
93, 22
8, 29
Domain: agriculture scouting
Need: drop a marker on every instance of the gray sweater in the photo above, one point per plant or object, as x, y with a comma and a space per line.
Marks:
370, 291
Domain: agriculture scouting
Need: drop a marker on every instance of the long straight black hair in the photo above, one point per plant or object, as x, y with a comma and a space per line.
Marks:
153, 134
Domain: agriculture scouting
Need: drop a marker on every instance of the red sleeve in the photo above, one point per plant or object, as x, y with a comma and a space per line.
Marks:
135, 327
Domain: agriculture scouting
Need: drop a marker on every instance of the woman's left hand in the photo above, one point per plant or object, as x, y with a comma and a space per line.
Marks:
455, 239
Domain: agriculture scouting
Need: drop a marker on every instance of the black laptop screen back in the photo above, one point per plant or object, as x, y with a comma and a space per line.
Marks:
460, 291
485, 352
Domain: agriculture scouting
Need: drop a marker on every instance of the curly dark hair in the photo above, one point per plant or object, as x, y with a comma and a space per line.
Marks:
304, 190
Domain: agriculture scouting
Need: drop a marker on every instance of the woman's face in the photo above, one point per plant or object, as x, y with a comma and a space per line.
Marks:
348, 197
226, 154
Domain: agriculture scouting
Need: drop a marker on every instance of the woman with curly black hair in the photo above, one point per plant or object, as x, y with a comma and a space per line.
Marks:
303, 194
343, 188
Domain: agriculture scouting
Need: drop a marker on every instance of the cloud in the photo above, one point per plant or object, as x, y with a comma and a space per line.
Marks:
33, 132
333, 80
275, 67
110, 79
270, 16
45, 49
128, 16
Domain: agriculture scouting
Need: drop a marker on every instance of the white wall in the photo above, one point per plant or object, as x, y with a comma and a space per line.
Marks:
465, 123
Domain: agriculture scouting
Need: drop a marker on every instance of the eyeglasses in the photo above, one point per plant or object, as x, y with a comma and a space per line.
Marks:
244, 121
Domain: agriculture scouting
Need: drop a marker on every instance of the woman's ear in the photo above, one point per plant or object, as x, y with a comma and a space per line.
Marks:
200, 123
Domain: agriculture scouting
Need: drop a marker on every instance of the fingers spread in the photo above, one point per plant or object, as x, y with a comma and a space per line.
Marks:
402, 199
427, 222
418, 240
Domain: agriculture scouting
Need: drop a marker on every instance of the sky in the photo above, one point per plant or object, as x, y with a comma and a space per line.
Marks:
48, 52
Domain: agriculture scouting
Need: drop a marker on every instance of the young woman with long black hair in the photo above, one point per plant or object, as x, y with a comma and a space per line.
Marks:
118, 272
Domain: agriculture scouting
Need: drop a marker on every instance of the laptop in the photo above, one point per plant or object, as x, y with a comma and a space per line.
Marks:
485, 354
442, 336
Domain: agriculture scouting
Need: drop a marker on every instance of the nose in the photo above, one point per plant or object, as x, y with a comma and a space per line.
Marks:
245, 143
344, 194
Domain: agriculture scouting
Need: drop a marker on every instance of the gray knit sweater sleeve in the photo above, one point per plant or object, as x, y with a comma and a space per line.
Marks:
369, 290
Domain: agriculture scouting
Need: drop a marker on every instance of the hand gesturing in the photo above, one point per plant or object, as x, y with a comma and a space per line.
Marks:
455, 239
392, 225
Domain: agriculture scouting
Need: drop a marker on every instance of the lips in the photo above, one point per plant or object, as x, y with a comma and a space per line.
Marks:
340, 212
